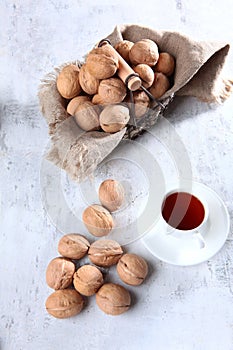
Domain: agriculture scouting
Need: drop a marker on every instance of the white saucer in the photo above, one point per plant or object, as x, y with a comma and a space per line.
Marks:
175, 251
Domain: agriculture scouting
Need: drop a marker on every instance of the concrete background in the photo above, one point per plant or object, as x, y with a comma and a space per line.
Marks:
176, 308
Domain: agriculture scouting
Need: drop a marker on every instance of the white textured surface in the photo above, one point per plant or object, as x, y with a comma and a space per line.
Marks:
177, 308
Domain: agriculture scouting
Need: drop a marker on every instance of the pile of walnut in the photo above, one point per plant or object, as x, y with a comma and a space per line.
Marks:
88, 280
97, 97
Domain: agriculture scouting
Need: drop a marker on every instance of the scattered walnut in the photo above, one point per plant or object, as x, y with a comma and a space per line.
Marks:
64, 303
113, 299
111, 194
105, 252
88, 279
132, 269
59, 273
98, 220
73, 246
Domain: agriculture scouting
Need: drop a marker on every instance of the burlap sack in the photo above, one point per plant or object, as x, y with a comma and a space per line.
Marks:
198, 73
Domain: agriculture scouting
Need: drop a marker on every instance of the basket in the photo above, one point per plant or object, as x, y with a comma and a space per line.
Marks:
198, 73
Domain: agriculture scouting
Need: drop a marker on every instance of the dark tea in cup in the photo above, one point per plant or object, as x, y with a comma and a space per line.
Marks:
183, 211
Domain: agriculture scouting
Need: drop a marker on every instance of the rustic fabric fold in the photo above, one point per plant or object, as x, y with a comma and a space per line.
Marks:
79, 152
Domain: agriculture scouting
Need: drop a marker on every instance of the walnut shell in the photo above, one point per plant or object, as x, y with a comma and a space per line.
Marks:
141, 97
75, 103
88, 279
101, 63
105, 252
123, 48
68, 81
88, 82
64, 303
97, 100
59, 273
87, 116
73, 246
114, 118
144, 51
111, 194
112, 90
97, 220
160, 85
145, 73
140, 110
165, 64
132, 269
113, 299
141, 103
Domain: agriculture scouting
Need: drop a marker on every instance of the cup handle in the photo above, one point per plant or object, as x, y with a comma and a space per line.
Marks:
198, 236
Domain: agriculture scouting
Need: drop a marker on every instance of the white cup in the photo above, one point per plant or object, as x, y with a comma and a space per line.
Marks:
196, 233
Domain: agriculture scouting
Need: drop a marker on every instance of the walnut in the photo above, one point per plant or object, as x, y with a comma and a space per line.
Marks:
145, 73
111, 194
59, 273
141, 97
160, 85
97, 220
105, 252
123, 48
88, 82
114, 118
75, 103
73, 246
87, 116
97, 100
112, 90
165, 64
141, 103
101, 62
68, 81
64, 303
88, 279
144, 51
113, 299
132, 269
